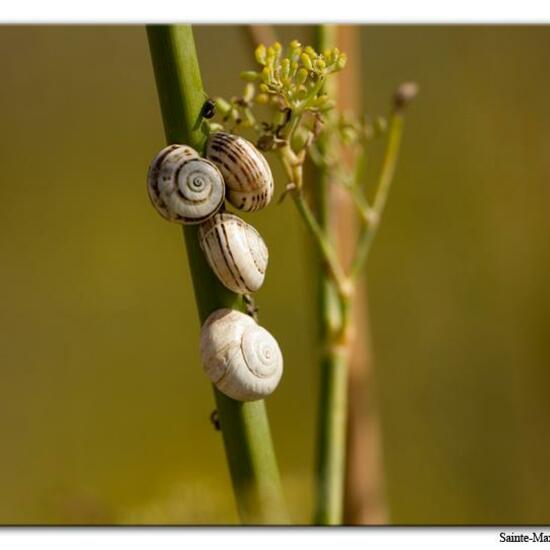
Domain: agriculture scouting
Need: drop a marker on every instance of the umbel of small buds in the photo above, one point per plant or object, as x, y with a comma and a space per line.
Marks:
187, 189
290, 82
296, 76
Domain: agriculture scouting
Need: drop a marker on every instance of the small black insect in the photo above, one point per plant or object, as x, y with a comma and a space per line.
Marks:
209, 108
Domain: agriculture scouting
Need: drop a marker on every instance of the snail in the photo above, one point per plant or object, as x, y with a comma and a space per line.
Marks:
246, 172
183, 187
240, 357
235, 251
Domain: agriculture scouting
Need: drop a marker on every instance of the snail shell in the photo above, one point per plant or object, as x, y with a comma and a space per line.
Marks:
246, 172
235, 251
183, 187
240, 357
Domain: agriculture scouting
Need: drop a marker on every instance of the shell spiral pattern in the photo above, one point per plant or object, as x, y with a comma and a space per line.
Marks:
240, 357
235, 251
183, 187
246, 172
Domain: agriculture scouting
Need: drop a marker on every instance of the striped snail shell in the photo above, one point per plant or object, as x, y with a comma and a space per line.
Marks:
246, 172
183, 187
235, 251
240, 357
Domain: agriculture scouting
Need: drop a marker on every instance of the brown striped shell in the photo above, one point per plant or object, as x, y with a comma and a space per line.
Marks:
183, 187
235, 251
239, 356
246, 172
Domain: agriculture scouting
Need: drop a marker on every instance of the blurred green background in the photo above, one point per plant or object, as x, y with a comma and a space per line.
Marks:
103, 405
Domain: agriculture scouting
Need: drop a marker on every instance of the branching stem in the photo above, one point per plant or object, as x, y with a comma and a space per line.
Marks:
370, 228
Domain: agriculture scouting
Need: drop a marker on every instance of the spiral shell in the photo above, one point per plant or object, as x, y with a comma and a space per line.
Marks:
235, 251
240, 357
246, 172
183, 187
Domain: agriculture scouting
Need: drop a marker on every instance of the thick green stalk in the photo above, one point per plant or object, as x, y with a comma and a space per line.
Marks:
331, 430
245, 427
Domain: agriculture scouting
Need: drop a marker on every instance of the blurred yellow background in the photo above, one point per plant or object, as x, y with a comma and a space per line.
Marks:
103, 404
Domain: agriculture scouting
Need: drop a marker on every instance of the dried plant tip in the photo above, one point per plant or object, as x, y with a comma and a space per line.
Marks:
405, 93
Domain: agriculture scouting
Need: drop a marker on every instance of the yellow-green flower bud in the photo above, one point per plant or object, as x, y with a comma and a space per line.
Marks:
248, 118
320, 64
260, 54
310, 51
222, 106
249, 92
295, 56
267, 74
342, 60
285, 69
306, 61
294, 45
250, 76
262, 99
301, 76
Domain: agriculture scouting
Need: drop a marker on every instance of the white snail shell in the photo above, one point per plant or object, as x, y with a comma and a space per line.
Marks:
235, 251
246, 172
183, 187
240, 357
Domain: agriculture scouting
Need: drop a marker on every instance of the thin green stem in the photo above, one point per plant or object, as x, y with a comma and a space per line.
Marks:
327, 250
361, 204
333, 318
369, 230
245, 427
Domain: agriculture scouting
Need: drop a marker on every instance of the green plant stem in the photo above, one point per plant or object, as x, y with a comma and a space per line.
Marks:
245, 427
328, 252
333, 318
369, 230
